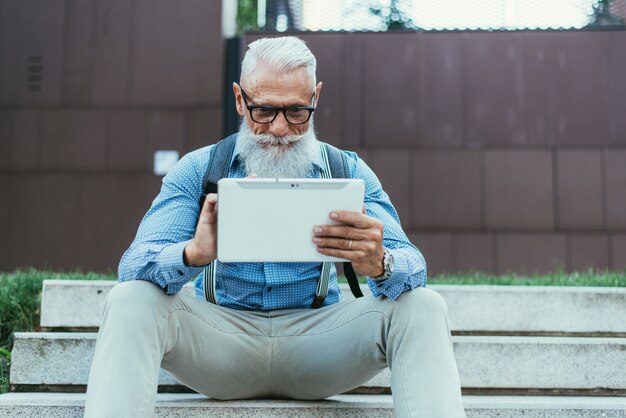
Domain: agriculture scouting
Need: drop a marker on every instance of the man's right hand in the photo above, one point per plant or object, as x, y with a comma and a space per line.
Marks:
202, 250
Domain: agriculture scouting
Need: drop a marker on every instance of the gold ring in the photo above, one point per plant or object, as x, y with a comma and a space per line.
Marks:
350, 246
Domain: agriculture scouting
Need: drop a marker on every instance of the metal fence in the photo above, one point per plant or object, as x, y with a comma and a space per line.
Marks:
424, 15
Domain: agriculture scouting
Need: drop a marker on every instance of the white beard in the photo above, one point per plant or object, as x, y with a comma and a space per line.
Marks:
261, 156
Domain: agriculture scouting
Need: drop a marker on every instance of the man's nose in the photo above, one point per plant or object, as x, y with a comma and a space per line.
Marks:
280, 126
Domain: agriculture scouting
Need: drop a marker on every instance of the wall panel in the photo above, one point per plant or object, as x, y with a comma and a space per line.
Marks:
188, 58
79, 52
73, 139
518, 190
390, 66
567, 78
128, 140
441, 91
31, 35
580, 197
446, 190
588, 251
530, 253
496, 99
393, 171
112, 52
474, 252
25, 140
616, 189
617, 87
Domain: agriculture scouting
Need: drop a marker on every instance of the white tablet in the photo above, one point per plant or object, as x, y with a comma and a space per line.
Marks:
272, 220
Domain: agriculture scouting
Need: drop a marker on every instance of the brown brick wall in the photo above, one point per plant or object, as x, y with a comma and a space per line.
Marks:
502, 151
121, 79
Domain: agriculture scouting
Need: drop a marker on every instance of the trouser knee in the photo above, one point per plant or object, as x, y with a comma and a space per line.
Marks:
421, 303
136, 297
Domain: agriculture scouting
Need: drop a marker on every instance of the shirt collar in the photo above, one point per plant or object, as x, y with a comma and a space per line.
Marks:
318, 162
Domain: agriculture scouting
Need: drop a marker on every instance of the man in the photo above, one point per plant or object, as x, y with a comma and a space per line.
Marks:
262, 339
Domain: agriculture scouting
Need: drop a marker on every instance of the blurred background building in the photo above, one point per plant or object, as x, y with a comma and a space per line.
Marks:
498, 127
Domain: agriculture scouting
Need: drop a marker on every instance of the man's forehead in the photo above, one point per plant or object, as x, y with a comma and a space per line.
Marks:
291, 83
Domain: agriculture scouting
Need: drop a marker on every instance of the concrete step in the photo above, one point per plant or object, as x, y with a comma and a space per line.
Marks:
572, 363
70, 405
506, 309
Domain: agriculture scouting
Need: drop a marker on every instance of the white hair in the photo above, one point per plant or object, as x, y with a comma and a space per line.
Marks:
282, 55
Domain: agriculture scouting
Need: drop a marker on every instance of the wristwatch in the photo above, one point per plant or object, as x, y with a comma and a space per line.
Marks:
387, 266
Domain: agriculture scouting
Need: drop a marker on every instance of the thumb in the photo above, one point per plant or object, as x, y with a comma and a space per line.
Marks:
209, 208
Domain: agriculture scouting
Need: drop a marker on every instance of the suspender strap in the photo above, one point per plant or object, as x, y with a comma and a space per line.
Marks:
335, 162
208, 280
322, 284
219, 163
353, 282
339, 169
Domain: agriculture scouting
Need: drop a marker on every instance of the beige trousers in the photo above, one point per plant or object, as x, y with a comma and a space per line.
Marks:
293, 353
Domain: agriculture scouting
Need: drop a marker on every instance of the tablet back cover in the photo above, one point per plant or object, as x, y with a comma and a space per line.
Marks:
272, 220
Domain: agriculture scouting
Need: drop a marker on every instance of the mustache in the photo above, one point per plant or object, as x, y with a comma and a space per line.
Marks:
268, 139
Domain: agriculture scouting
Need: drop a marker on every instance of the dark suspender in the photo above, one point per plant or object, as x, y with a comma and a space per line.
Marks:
339, 170
219, 163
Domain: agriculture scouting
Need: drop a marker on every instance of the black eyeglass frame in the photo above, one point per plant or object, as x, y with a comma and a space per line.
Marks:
284, 110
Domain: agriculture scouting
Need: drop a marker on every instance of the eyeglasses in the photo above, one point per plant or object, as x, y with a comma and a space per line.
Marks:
295, 115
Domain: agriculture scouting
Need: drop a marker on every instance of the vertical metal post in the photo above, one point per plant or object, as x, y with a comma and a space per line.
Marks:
232, 67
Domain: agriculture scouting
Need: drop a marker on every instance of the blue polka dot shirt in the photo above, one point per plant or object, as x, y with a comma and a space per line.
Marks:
156, 254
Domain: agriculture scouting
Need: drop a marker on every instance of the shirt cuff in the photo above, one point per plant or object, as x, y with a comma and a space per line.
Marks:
173, 268
393, 286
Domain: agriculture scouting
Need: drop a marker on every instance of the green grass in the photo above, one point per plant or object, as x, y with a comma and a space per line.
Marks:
582, 278
20, 300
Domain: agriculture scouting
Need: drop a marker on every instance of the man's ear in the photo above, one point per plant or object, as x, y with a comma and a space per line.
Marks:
318, 88
239, 104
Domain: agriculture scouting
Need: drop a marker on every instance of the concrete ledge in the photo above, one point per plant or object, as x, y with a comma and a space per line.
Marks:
70, 405
484, 362
69, 303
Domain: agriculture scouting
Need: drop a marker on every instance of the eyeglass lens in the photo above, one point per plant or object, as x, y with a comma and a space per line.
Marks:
294, 115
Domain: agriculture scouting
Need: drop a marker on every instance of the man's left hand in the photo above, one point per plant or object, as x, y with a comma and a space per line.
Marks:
359, 239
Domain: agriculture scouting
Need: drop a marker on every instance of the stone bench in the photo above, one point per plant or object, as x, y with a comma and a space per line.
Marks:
508, 341
70, 405
479, 309
496, 362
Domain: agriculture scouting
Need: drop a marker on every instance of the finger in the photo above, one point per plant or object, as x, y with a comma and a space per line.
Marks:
337, 243
364, 210
211, 199
252, 176
333, 252
209, 209
356, 219
340, 231
210, 203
